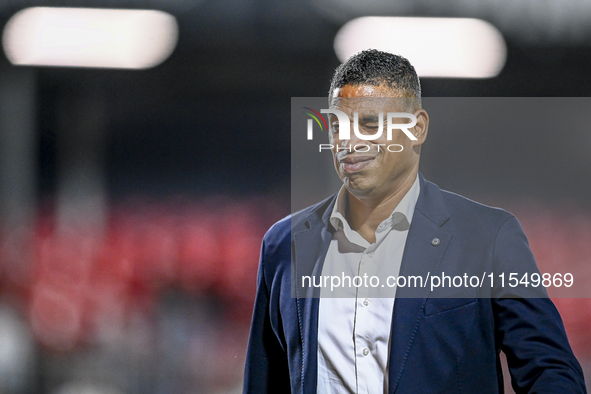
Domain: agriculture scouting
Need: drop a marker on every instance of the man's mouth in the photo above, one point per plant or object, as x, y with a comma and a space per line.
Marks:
352, 164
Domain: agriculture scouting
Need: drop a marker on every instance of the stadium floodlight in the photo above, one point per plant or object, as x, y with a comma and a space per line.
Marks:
89, 37
437, 47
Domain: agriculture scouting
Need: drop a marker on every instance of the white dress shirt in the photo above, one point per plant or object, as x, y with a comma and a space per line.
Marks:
354, 323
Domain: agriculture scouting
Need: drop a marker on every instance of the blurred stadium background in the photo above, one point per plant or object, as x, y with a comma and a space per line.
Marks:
133, 201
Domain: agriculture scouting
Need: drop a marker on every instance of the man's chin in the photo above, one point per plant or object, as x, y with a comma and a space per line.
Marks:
358, 187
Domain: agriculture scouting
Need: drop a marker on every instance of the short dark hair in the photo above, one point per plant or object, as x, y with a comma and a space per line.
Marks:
373, 67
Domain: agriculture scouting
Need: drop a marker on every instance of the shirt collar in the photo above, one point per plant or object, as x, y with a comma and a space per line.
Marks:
404, 209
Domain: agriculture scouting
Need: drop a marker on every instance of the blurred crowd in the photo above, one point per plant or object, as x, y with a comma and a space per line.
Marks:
157, 301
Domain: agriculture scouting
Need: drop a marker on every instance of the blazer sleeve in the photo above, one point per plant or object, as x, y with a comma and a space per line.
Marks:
266, 369
529, 330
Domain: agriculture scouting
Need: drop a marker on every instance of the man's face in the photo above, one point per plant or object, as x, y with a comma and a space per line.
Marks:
377, 171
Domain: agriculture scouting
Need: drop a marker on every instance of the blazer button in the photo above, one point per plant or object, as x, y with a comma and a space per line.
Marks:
435, 241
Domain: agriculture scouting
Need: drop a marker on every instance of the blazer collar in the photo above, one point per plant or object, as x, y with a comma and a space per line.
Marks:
430, 203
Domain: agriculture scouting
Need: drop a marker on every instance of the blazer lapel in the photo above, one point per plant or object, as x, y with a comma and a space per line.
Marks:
310, 247
425, 246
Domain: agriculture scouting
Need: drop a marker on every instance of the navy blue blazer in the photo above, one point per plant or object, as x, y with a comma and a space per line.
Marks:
438, 345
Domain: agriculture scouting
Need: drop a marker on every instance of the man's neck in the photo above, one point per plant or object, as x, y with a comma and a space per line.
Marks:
366, 213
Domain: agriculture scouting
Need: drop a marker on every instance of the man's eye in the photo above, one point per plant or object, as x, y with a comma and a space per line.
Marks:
370, 128
334, 128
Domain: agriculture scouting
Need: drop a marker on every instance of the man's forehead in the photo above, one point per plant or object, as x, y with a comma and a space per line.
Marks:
363, 90
370, 104
368, 98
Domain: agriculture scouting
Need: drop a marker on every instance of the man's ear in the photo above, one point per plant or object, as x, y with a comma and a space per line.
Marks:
422, 126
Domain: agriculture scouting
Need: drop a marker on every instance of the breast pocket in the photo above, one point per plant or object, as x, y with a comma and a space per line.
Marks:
440, 304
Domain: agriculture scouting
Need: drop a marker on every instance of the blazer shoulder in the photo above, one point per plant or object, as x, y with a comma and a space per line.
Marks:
280, 233
297, 220
466, 209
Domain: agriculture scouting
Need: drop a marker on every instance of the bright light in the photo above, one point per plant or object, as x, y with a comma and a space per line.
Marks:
437, 47
89, 37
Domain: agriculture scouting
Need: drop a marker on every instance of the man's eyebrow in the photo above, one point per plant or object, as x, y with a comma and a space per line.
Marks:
369, 118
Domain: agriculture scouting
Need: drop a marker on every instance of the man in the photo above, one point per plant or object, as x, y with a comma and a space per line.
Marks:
387, 221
